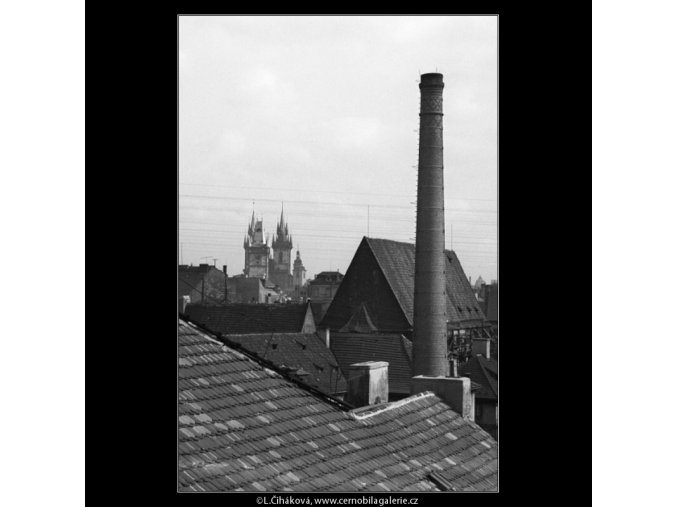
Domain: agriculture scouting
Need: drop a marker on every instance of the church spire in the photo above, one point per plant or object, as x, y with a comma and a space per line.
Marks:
282, 238
252, 224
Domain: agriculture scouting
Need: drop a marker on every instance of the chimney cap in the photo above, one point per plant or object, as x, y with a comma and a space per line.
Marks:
434, 79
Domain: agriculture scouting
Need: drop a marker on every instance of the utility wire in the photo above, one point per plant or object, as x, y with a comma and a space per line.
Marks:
325, 203
309, 190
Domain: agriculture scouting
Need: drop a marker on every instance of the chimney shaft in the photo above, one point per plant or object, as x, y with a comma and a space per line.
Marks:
430, 320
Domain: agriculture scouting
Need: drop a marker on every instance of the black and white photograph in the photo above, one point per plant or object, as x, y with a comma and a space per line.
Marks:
328, 193
338, 253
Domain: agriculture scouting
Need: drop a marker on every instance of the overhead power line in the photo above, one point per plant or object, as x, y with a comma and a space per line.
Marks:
336, 214
322, 203
310, 190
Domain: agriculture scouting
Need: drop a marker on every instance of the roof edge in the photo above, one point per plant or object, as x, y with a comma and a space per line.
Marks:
222, 340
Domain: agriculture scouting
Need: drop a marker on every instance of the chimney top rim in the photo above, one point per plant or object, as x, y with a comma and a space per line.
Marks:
428, 377
370, 365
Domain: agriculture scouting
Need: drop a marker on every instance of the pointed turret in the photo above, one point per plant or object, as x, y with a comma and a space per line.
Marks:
282, 247
299, 275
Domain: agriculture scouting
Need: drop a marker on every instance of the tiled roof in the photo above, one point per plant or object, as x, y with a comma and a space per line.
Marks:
297, 350
484, 372
249, 318
350, 348
244, 427
397, 261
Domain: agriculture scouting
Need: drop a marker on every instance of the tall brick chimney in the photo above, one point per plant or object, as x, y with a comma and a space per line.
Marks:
430, 307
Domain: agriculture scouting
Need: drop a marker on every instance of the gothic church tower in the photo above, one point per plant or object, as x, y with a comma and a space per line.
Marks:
256, 250
280, 265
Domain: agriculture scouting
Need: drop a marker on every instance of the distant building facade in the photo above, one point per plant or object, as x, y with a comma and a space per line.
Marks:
322, 290
250, 290
203, 283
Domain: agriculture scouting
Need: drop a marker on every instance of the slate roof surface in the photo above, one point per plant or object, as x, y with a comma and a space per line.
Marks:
397, 261
297, 350
245, 318
244, 427
350, 348
484, 372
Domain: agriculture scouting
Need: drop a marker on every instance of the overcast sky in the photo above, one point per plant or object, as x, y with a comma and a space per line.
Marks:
322, 113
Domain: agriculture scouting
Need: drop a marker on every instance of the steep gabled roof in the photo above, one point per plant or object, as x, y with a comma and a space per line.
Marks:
245, 318
245, 427
351, 348
297, 350
397, 262
484, 372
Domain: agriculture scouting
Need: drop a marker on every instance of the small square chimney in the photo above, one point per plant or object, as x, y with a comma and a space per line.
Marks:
367, 383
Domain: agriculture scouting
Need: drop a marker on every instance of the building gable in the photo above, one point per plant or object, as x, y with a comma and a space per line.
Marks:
364, 282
